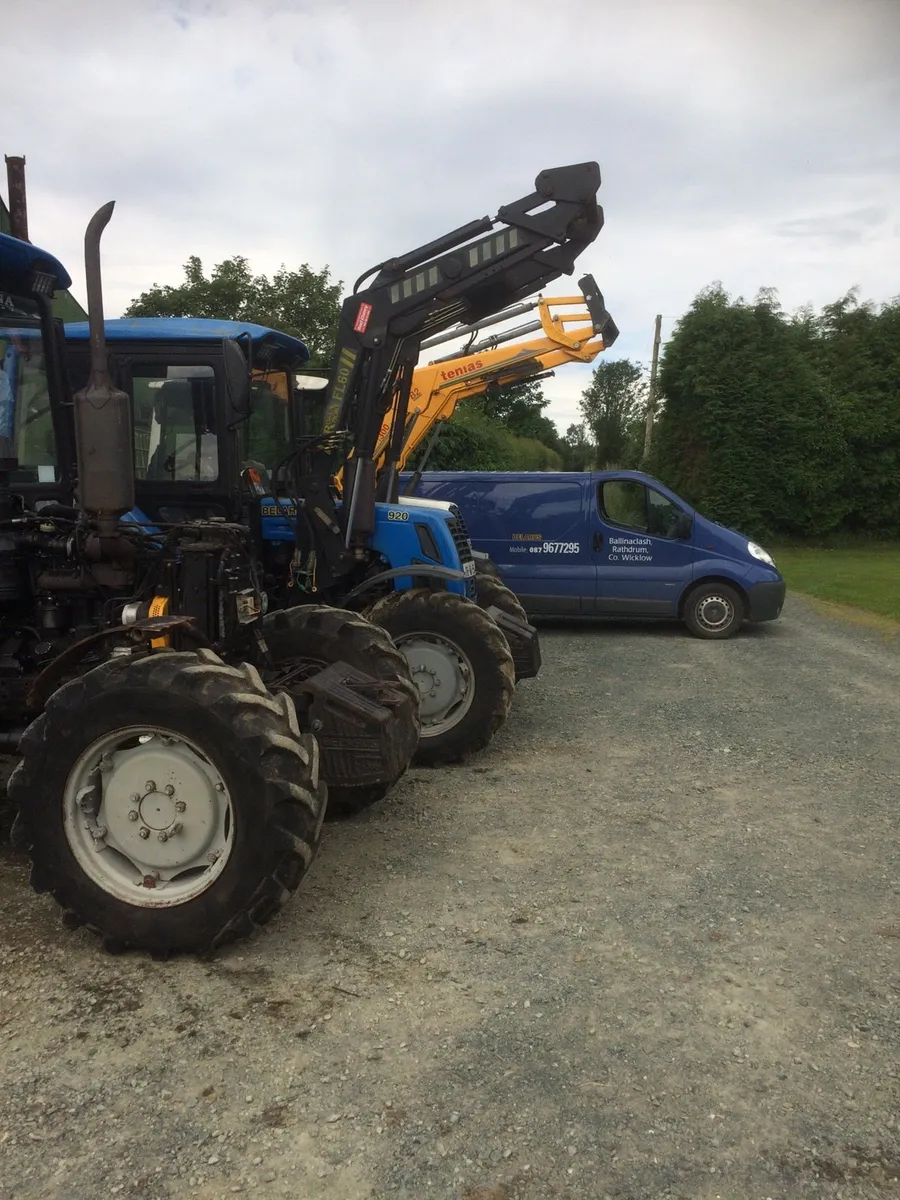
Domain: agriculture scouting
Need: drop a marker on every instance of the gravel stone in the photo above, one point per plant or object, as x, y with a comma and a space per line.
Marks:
622, 962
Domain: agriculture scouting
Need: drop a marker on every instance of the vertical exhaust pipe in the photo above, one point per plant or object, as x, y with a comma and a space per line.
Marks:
18, 205
103, 428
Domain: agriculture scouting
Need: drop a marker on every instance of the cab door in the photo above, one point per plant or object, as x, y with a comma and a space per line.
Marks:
643, 549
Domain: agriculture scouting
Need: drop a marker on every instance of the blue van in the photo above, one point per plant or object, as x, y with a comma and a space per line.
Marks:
611, 544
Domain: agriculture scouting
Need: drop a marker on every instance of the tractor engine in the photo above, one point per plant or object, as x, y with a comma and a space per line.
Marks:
62, 593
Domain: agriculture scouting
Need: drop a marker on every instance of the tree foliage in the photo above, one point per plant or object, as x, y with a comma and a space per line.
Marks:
784, 426
502, 430
613, 404
304, 302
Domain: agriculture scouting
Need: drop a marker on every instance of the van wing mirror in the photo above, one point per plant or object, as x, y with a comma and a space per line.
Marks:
684, 525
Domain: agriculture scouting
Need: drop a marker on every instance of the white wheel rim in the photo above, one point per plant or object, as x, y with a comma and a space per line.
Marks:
147, 817
715, 613
444, 676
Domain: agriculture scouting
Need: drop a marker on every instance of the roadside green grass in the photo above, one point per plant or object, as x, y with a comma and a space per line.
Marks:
863, 576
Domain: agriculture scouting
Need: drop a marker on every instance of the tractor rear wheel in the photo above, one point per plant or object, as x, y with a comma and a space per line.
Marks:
461, 664
168, 801
303, 641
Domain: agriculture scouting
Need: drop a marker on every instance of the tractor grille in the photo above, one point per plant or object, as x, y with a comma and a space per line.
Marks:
460, 535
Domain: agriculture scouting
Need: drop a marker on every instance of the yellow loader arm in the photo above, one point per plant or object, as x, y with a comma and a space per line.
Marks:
572, 329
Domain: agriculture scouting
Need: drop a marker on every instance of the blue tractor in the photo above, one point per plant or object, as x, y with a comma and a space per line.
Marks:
166, 797
405, 563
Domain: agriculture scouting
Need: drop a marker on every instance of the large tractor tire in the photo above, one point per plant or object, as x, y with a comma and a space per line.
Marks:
169, 802
493, 593
461, 664
302, 641
486, 568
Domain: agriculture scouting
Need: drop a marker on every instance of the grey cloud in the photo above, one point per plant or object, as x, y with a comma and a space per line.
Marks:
752, 142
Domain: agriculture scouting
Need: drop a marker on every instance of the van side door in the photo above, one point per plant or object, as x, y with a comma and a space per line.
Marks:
643, 548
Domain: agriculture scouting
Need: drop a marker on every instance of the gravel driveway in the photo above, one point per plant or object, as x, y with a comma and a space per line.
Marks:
646, 945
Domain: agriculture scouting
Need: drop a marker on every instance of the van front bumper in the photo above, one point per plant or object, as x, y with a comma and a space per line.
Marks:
766, 600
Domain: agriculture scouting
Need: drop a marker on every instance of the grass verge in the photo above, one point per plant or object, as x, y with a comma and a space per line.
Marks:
864, 576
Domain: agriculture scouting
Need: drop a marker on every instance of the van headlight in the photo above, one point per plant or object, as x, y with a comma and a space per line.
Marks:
762, 555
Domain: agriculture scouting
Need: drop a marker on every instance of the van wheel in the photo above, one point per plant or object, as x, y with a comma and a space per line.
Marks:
714, 611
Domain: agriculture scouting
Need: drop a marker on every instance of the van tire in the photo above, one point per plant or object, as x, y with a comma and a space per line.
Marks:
419, 619
714, 611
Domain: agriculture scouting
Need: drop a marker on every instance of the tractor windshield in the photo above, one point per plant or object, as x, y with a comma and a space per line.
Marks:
267, 432
26, 420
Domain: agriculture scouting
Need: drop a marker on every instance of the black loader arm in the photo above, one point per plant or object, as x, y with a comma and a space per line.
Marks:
464, 276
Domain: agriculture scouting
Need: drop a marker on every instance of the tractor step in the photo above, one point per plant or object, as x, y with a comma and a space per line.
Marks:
353, 717
524, 645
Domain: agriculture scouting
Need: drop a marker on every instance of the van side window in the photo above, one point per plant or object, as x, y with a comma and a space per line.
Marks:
624, 502
662, 515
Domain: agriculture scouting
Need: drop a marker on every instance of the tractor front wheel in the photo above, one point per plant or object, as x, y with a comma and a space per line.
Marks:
461, 664
168, 801
359, 765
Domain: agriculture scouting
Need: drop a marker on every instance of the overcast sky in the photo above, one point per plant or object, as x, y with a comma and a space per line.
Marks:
754, 143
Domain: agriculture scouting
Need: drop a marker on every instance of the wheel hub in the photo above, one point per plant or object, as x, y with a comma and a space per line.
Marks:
444, 678
148, 817
714, 612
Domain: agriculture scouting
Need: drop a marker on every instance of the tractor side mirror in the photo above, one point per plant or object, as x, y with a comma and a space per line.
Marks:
237, 377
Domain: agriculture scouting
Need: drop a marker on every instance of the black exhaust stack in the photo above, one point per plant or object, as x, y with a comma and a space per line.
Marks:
103, 431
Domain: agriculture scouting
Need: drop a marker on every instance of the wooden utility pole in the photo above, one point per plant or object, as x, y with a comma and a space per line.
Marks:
18, 207
651, 393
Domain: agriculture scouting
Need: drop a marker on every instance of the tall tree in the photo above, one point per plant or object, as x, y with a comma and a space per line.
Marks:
615, 398
578, 449
857, 349
302, 302
749, 431
520, 408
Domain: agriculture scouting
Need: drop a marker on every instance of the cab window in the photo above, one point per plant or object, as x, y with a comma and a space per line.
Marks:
26, 419
175, 434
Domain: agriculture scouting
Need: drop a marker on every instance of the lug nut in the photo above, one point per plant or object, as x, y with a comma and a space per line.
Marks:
150, 785
170, 790
176, 828
180, 806
135, 798
162, 836
133, 815
144, 832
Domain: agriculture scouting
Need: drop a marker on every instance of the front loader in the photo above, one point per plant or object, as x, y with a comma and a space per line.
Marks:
358, 548
568, 329
165, 796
